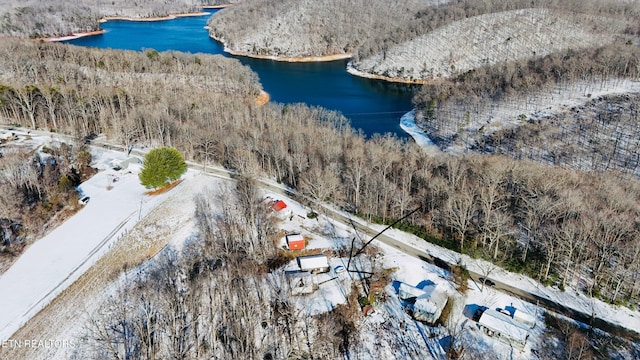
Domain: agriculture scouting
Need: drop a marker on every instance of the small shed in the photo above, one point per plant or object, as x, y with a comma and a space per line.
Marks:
278, 205
313, 263
295, 241
503, 327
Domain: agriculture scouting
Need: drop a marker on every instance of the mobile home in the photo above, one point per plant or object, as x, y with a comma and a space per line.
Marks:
501, 326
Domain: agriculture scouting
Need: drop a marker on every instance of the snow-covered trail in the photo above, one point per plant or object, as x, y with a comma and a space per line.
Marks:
52, 263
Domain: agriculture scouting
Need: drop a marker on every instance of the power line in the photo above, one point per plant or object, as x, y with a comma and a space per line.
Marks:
379, 112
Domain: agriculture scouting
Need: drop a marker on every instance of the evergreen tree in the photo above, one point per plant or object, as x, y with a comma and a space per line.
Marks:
162, 166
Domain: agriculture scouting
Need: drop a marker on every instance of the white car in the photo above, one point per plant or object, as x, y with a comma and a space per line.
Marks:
84, 200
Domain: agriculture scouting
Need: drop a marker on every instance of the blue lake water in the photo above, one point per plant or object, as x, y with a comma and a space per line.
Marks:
374, 106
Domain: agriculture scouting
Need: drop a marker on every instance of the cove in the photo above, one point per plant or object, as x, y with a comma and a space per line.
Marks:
375, 106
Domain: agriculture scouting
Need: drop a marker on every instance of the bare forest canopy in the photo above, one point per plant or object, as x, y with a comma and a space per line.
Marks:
490, 39
557, 225
35, 18
509, 109
292, 28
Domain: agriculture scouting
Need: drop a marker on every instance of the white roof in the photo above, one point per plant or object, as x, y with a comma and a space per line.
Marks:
406, 291
430, 292
429, 299
503, 324
426, 305
312, 262
295, 237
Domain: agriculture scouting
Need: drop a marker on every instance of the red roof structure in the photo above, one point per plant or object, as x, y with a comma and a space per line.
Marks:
295, 241
278, 205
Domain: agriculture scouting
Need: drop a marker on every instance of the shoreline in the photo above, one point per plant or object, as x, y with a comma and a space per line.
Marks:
157, 18
263, 98
419, 136
213, 7
350, 69
291, 59
355, 72
324, 58
127, 18
73, 36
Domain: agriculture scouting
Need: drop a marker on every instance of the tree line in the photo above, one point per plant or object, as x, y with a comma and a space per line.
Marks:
558, 225
37, 191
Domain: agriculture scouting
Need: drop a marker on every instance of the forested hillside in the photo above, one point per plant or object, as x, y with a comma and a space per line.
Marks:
35, 18
378, 33
489, 39
573, 108
293, 28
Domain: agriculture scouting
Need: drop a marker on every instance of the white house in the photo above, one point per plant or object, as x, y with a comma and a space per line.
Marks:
313, 263
520, 316
426, 303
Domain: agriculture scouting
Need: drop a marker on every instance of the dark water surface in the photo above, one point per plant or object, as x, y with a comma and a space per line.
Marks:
374, 106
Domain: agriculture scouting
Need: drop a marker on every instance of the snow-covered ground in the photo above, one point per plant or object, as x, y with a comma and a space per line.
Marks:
508, 112
327, 233
324, 234
52, 263
616, 314
408, 124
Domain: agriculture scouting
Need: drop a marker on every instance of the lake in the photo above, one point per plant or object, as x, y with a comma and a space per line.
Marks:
375, 106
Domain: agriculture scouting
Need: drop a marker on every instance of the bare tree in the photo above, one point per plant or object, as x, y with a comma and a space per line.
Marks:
458, 211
